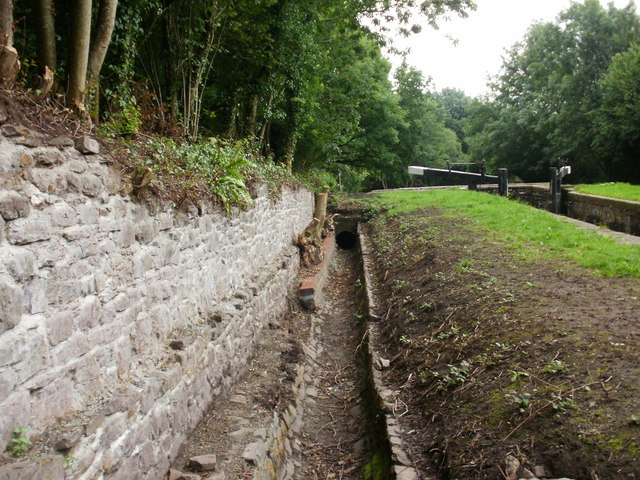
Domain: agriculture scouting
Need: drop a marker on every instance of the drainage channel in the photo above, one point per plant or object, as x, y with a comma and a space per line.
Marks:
306, 407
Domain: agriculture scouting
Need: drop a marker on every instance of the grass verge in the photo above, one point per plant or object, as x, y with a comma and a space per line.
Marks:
535, 232
624, 191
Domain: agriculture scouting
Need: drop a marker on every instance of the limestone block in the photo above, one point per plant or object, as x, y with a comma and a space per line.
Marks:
10, 130
70, 349
59, 327
49, 181
35, 295
114, 426
48, 158
105, 334
76, 232
87, 213
10, 304
108, 224
20, 471
165, 221
91, 185
77, 166
88, 285
112, 181
62, 214
107, 247
8, 380
146, 231
52, 401
61, 142
88, 376
16, 412
142, 263
89, 314
28, 230
18, 261
13, 205
87, 145
62, 292
10, 164
127, 234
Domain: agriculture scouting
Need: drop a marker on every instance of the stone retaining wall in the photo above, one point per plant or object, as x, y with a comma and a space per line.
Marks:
119, 322
616, 214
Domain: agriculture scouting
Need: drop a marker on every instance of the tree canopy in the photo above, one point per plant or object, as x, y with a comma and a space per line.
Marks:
306, 83
566, 93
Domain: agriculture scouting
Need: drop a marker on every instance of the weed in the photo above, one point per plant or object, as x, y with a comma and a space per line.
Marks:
456, 375
516, 375
464, 266
405, 340
452, 332
555, 366
522, 400
562, 404
68, 463
19, 445
426, 305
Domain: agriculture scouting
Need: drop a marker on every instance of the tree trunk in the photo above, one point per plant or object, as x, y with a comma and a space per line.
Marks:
98, 50
310, 241
265, 124
6, 23
253, 115
290, 148
233, 115
46, 36
79, 54
102, 38
9, 63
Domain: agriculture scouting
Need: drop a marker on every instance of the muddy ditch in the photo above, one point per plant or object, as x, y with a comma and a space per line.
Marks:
306, 406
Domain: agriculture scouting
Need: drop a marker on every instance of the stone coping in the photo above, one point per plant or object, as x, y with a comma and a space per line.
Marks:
402, 466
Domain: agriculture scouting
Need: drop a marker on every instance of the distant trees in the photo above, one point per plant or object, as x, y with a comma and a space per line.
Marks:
566, 91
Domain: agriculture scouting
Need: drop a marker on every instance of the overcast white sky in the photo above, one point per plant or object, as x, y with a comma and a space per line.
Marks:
482, 39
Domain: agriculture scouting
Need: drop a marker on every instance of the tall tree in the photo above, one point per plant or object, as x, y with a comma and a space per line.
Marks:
79, 54
46, 36
9, 63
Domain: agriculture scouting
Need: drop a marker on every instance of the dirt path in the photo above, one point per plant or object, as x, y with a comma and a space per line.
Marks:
333, 439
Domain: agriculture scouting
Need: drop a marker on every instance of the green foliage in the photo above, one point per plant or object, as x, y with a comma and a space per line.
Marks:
69, 460
376, 469
530, 230
126, 120
522, 400
560, 95
217, 164
452, 332
562, 403
455, 376
20, 444
621, 190
424, 138
555, 366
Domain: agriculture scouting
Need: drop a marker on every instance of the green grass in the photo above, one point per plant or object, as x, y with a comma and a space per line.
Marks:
624, 191
533, 232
